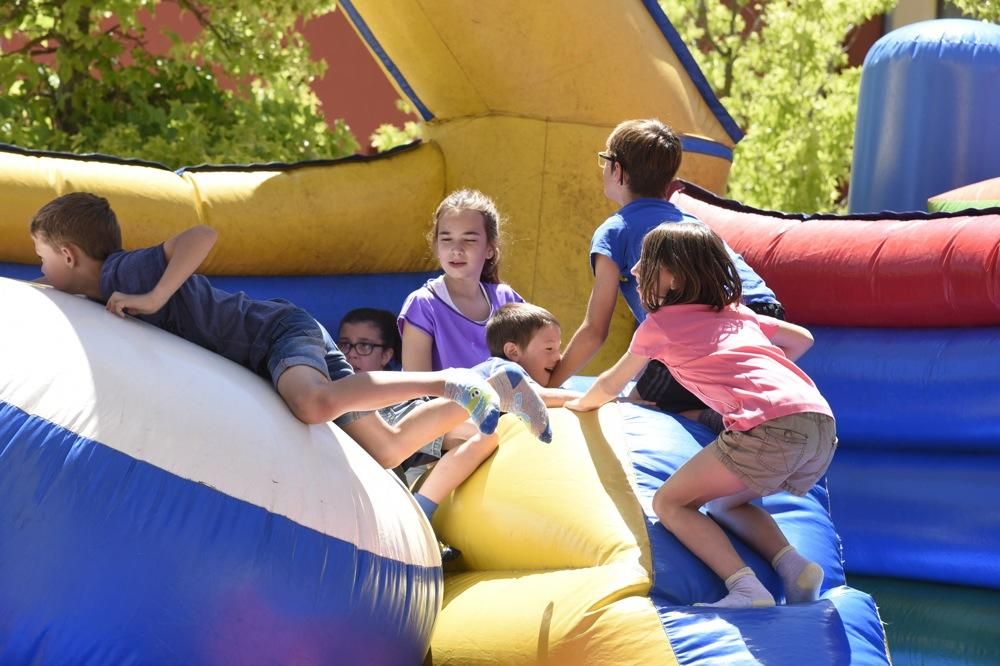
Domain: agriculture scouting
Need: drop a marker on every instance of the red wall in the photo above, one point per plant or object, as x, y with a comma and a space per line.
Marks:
354, 87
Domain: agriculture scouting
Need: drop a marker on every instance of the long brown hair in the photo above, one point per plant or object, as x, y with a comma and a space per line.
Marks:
696, 256
478, 202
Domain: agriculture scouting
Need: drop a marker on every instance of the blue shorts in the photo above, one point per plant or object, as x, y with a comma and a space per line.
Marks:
298, 339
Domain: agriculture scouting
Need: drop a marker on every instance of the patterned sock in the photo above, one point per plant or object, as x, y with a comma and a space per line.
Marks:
745, 591
802, 578
483, 404
427, 504
517, 397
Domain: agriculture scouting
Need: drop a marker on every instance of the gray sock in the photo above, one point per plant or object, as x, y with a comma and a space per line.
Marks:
745, 591
802, 578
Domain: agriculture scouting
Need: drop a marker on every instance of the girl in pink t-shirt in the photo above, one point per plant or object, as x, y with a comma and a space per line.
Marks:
779, 430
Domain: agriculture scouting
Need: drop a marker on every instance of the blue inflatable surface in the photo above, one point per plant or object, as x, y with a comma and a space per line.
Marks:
927, 114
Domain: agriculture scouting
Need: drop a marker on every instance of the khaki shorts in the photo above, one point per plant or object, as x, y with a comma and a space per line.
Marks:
788, 453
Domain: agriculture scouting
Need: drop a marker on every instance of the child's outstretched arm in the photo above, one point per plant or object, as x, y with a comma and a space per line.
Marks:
609, 384
184, 253
592, 333
556, 397
792, 339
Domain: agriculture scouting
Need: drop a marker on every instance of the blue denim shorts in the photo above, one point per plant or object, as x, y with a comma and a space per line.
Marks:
298, 339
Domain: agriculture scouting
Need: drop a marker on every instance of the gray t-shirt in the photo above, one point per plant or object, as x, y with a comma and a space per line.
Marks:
232, 325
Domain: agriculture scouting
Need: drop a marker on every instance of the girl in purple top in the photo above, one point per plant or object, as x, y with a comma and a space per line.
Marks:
443, 323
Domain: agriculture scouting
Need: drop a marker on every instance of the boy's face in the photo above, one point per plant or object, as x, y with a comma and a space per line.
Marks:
57, 264
365, 334
541, 354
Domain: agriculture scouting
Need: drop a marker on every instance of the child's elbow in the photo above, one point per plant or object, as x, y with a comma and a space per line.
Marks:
207, 233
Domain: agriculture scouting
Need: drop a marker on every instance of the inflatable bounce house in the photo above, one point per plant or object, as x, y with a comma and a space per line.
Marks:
161, 505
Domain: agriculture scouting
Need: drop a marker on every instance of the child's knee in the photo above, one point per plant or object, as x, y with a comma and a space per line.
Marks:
313, 405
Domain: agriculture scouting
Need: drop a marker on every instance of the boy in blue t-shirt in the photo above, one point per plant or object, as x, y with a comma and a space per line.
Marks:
640, 161
78, 239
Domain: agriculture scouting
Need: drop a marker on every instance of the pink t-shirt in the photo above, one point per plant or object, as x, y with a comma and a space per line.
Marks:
726, 358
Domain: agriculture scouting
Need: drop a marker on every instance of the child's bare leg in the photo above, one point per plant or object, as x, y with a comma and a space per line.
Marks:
457, 465
391, 445
700, 480
315, 399
802, 578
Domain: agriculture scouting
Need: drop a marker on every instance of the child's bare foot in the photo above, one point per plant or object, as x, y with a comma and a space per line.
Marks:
478, 397
517, 397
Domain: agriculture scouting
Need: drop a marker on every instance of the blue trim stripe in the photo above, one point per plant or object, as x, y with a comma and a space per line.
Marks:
387, 62
697, 77
694, 144
106, 559
326, 297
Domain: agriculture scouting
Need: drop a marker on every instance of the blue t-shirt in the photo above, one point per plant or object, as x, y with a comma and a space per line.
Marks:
232, 325
620, 239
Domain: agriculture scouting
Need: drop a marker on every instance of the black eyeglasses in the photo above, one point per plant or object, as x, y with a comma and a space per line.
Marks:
362, 348
603, 159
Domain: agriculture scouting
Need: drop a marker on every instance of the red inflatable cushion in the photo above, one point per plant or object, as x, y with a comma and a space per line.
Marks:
885, 269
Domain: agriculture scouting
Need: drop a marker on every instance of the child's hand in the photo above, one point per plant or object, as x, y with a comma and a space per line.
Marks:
133, 304
636, 400
577, 405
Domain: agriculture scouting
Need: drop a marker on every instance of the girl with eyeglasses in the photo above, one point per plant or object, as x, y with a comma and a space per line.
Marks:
369, 338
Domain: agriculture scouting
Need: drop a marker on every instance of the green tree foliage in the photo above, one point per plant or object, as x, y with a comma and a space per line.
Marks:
780, 68
388, 136
80, 76
987, 10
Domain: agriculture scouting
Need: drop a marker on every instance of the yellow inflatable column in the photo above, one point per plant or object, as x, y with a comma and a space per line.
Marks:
557, 566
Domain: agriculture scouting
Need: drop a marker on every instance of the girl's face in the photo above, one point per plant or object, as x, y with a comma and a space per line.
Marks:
665, 281
462, 246
359, 336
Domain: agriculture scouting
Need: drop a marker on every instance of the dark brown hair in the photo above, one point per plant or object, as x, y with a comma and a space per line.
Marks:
649, 152
81, 218
473, 200
696, 256
383, 320
517, 323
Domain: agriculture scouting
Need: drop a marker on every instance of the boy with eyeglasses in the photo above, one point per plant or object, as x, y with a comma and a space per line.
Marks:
638, 164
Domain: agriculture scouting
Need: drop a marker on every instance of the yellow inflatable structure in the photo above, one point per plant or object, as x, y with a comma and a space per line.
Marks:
518, 97
559, 564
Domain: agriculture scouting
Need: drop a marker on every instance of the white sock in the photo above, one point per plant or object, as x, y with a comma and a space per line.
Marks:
469, 390
802, 578
745, 591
